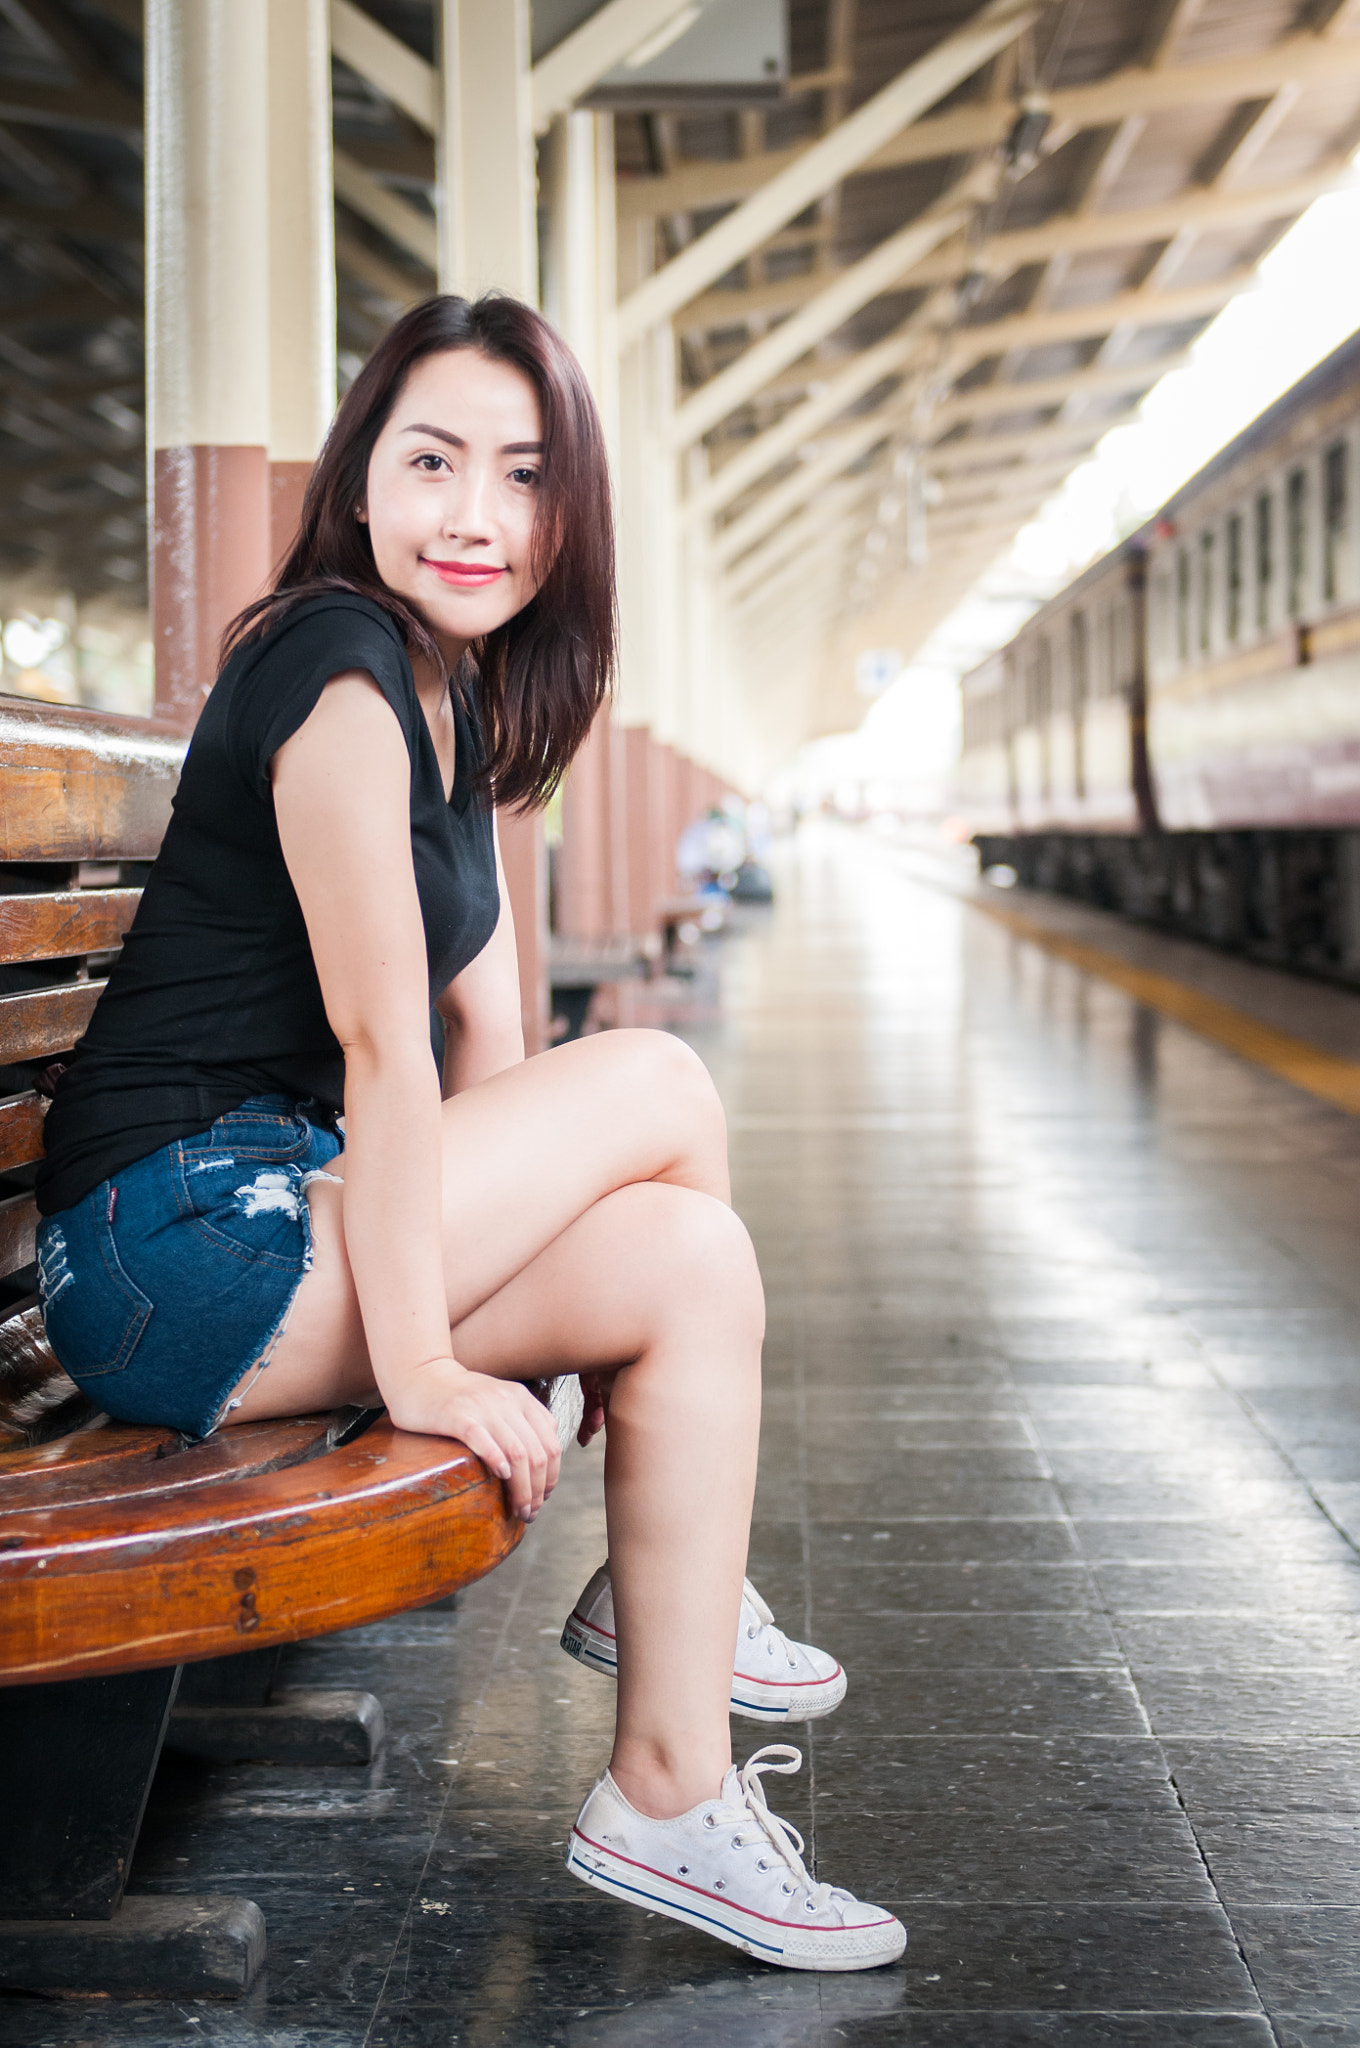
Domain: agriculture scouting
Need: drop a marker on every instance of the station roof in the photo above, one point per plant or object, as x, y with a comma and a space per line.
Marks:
893, 341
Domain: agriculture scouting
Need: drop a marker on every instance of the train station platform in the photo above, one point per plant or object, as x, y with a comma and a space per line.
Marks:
1062, 1458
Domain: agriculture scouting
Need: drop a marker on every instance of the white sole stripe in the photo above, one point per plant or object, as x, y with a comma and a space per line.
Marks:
584, 1647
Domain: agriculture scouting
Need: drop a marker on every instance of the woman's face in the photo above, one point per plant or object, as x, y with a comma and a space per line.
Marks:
453, 486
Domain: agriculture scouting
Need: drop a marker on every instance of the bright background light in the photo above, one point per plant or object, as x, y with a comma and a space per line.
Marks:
1305, 302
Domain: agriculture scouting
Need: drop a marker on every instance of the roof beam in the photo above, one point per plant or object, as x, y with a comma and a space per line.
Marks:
556, 82
397, 218
823, 165
967, 345
984, 452
1035, 394
797, 427
849, 290
1301, 60
1064, 234
375, 273
841, 503
794, 491
386, 63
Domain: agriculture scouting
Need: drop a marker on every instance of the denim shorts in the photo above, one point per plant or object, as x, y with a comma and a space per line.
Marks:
168, 1282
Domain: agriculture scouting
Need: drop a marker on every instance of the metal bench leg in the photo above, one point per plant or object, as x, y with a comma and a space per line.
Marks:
79, 1759
229, 1711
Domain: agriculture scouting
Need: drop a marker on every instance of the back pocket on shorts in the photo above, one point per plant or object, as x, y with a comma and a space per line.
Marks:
94, 1312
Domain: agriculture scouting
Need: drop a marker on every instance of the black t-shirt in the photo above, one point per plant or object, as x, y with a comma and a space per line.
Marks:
215, 997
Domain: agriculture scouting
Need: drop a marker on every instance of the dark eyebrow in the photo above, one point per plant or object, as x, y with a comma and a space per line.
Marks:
454, 441
436, 433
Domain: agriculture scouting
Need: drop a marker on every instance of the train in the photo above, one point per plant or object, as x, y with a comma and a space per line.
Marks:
1176, 734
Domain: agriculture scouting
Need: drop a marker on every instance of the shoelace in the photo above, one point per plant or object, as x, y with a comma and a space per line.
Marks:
775, 1639
780, 1834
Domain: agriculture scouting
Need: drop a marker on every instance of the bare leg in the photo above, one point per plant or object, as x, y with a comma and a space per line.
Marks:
586, 1227
662, 1282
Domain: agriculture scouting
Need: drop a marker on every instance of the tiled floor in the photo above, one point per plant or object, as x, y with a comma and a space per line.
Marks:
1062, 1444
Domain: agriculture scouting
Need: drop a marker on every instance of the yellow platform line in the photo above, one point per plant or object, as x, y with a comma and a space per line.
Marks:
1323, 1074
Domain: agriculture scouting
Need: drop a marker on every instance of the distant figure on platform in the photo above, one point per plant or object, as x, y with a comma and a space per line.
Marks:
215, 1248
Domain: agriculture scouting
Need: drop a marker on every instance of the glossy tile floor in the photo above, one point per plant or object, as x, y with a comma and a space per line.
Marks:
1062, 1444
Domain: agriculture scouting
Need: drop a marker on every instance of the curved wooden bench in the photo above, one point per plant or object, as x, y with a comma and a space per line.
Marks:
136, 1565
125, 1549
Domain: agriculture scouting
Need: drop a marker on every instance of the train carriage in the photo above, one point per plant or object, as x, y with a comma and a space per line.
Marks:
1177, 733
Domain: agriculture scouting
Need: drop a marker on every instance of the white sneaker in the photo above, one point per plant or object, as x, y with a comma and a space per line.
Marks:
732, 1869
772, 1678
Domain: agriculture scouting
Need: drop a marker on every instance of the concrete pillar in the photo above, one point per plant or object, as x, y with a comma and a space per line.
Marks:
488, 231
577, 264
488, 236
208, 407
301, 256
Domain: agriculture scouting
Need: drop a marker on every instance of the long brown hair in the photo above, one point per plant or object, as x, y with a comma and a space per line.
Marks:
541, 677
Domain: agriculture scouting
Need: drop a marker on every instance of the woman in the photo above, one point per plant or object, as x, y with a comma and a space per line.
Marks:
213, 1250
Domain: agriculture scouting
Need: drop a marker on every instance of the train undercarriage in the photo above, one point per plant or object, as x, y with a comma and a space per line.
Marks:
1287, 898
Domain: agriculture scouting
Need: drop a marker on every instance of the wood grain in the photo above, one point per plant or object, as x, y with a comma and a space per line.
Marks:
18, 1223
21, 1121
46, 1020
80, 785
367, 1530
61, 925
162, 1462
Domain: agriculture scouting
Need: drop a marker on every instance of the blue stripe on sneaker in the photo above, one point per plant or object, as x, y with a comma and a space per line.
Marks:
668, 1906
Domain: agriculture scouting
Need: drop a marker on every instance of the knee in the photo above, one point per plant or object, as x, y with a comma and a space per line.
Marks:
669, 1072
708, 1260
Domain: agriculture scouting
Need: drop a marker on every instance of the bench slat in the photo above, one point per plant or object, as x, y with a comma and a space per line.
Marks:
374, 1526
46, 1020
21, 1122
18, 1225
83, 786
159, 1465
65, 923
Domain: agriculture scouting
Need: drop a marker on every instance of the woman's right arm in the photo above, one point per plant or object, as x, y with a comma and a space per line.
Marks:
342, 801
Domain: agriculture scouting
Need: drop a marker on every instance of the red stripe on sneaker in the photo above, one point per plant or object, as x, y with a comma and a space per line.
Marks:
593, 1626
789, 1684
721, 1898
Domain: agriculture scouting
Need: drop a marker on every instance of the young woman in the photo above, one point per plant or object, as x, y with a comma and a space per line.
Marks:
214, 1250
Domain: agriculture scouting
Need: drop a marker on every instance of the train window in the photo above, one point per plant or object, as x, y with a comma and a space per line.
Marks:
1079, 656
1336, 481
1183, 604
1265, 557
1206, 591
1233, 589
1296, 538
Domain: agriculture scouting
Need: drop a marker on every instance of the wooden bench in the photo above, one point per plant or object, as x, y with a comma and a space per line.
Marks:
148, 1583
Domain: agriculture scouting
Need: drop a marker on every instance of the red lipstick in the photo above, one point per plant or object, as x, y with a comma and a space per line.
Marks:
464, 575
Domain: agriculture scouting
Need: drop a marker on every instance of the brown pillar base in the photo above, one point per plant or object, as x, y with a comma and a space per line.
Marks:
583, 910
526, 875
287, 488
210, 556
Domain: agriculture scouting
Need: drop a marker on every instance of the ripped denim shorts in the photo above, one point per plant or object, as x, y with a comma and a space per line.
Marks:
169, 1282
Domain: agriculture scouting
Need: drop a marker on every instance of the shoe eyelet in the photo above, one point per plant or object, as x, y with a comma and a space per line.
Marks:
751, 1634
709, 1822
809, 1905
763, 1865
787, 1890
